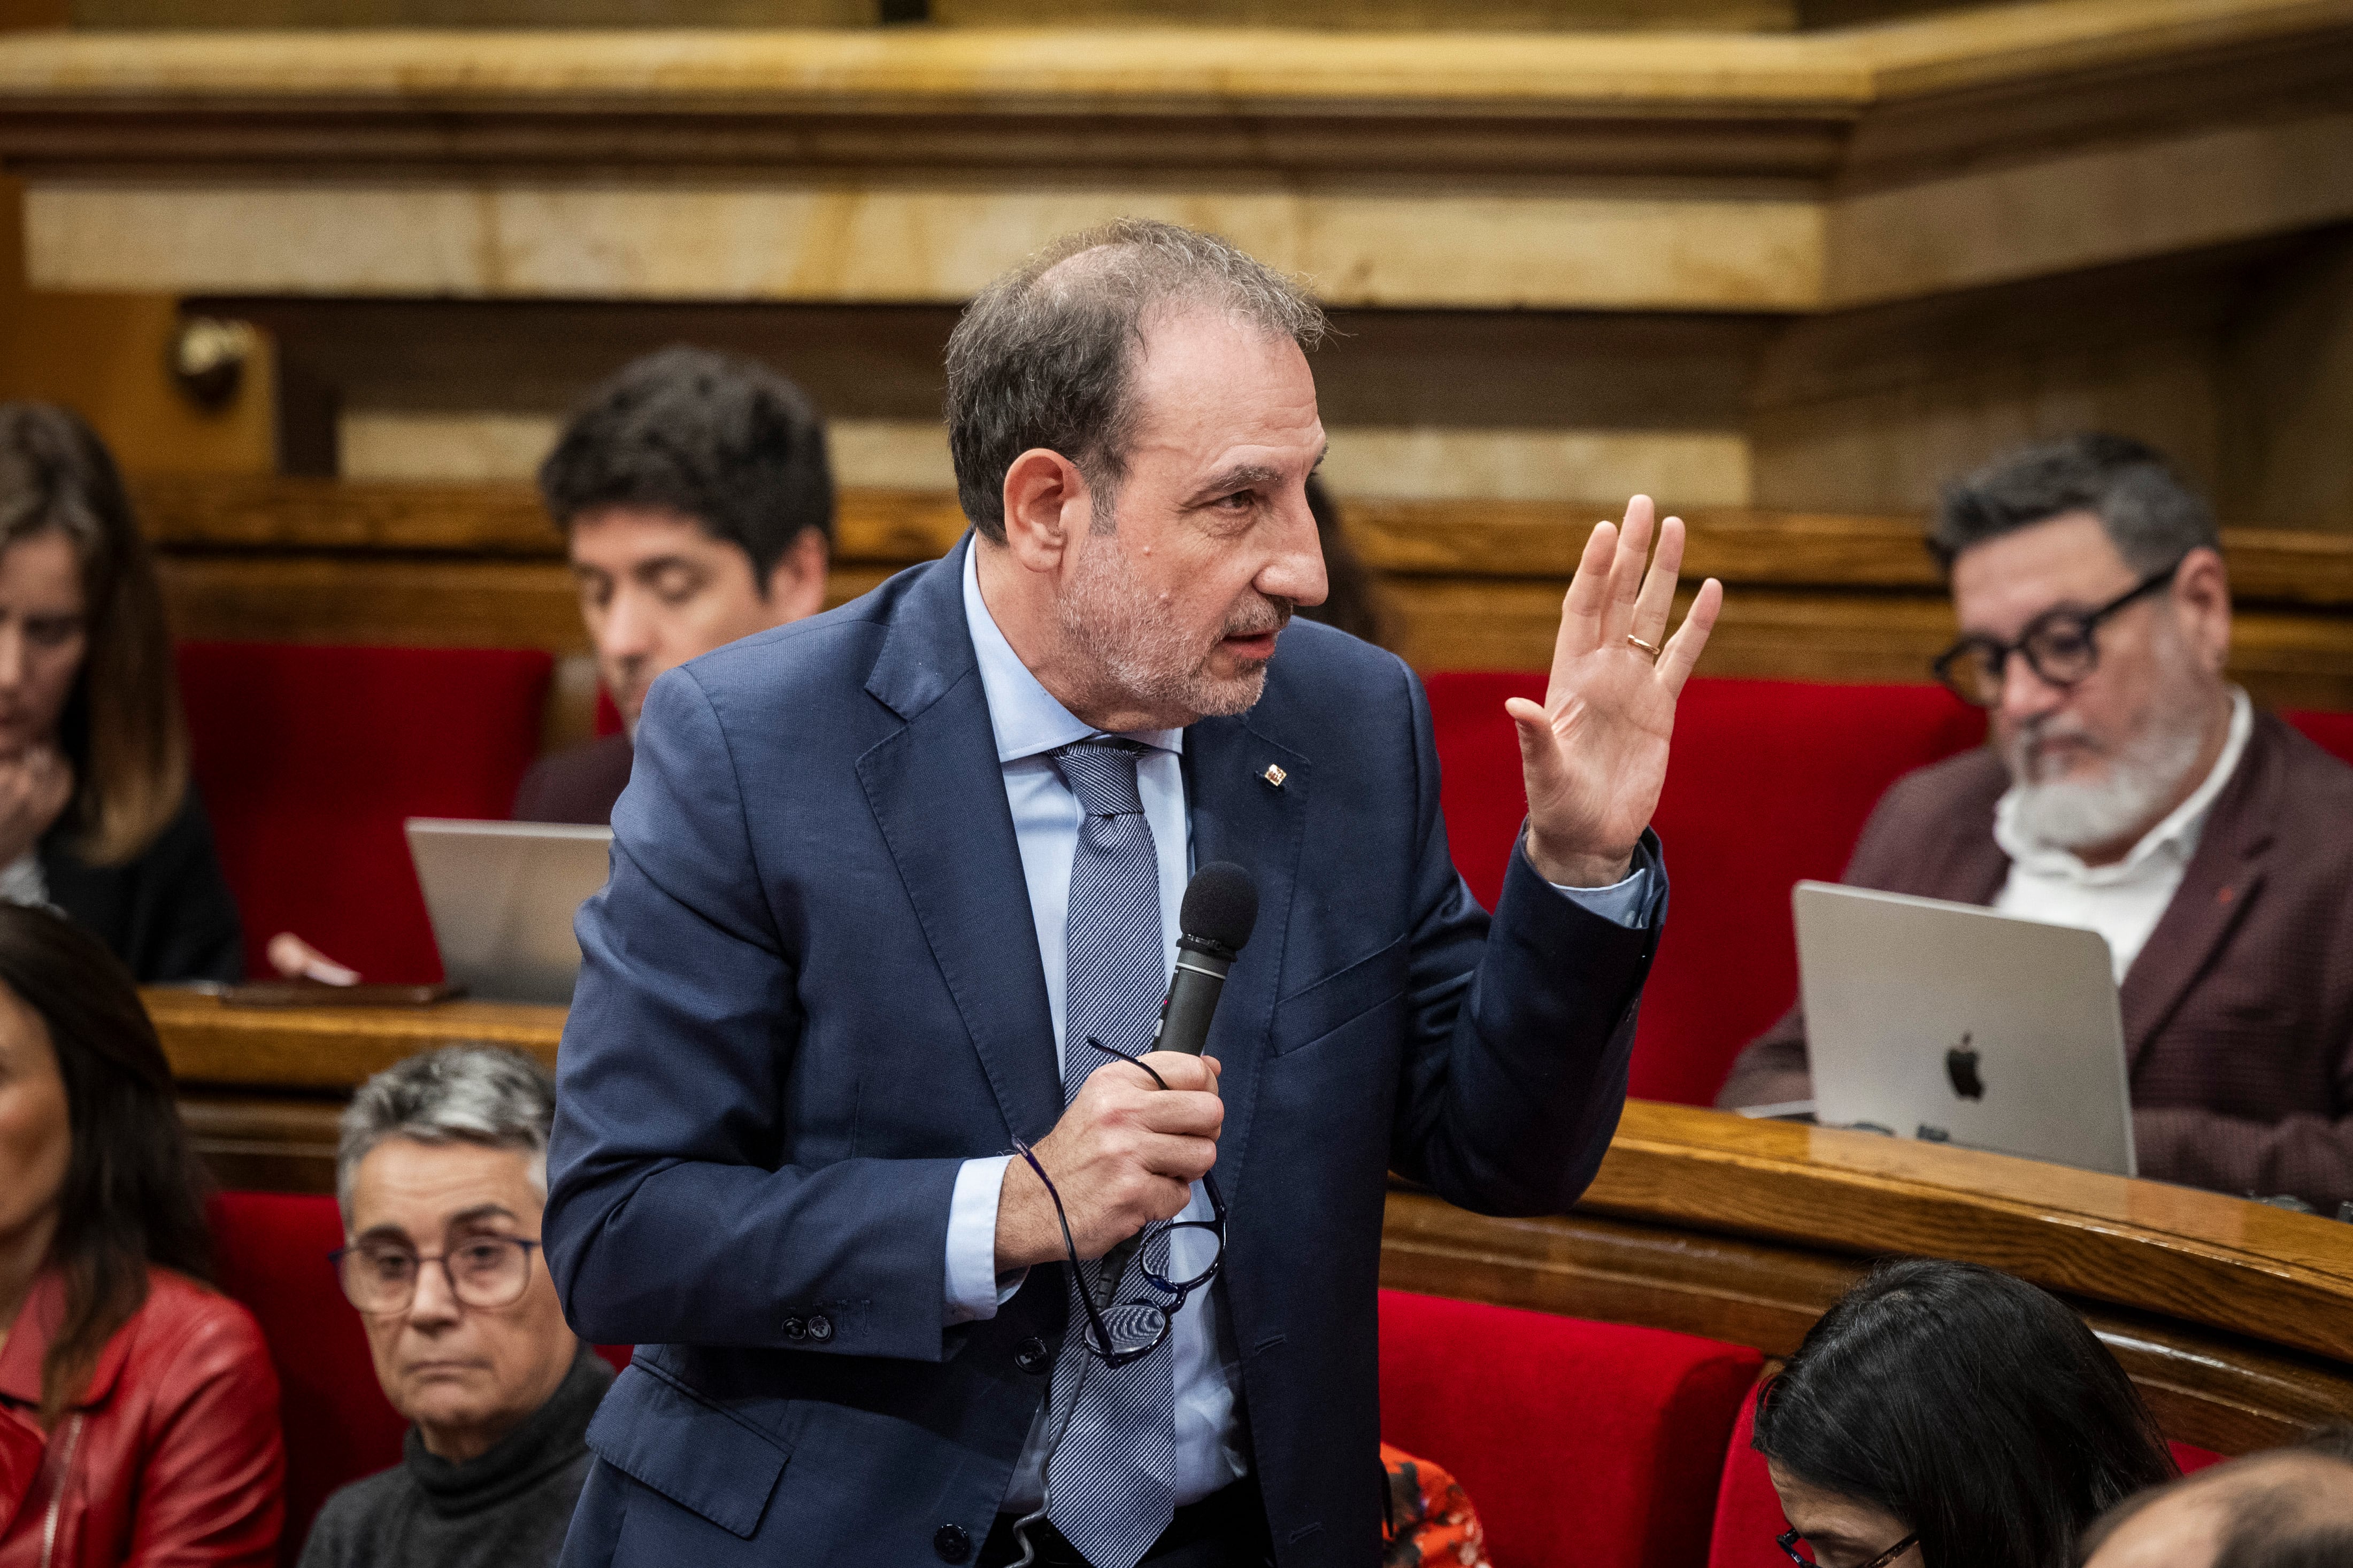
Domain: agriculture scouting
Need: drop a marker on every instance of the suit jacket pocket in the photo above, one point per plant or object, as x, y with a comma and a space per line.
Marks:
1308, 1015
666, 1437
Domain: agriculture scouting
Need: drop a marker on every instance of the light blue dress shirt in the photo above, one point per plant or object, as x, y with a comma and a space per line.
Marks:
1030, 725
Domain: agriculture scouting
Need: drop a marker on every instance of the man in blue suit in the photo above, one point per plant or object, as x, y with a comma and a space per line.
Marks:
894, 886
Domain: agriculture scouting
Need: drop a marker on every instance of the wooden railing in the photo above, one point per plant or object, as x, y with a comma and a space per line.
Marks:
2235, 1319
1473, 584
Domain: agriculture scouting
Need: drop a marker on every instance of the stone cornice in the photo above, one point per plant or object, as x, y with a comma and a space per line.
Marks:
1716, 171
1711, 105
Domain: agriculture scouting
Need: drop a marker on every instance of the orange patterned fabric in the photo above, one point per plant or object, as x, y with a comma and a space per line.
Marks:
1430, 1517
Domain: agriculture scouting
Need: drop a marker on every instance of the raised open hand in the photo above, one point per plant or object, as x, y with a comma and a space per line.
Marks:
1595, 754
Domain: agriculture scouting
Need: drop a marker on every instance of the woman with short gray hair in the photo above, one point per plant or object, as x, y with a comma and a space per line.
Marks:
442, 1175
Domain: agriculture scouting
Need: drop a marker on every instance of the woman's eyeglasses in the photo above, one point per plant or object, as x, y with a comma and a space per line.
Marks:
488, 1271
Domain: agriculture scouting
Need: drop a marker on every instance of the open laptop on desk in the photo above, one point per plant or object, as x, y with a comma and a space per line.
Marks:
502, 895
1962, 1024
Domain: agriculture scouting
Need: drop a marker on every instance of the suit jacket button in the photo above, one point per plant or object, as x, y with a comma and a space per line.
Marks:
1031, 1355
953, 1543
795, 1329
820, 1326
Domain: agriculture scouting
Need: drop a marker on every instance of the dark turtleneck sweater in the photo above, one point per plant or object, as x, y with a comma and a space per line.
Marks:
508, 1508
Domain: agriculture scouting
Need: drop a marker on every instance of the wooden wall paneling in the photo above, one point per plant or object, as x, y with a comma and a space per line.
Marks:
338, 598
2287, 392
279, 14
1472, 585
264, 1142
1714, 15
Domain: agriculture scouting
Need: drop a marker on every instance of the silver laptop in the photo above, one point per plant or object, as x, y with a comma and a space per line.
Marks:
1962, 1024
502, 895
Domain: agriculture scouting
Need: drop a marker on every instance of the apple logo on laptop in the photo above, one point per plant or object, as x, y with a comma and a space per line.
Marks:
1961, 1066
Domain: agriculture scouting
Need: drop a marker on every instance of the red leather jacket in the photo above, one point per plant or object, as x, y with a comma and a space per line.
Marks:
170, 1457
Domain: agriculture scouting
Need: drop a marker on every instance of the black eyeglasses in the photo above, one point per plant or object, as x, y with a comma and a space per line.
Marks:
2060, 646
1789, 1542
486, 1272
1121, 1332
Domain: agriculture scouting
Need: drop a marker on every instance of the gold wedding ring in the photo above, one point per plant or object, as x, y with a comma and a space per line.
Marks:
1651, 648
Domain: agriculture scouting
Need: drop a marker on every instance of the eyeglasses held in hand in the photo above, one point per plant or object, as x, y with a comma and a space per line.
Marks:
488, 1271
1122, 1332
1793, 1546
2061, 646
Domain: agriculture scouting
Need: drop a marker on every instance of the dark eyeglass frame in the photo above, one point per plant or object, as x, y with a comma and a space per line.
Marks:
2084, 624
449, 1276
1787, 1542
1097, 1335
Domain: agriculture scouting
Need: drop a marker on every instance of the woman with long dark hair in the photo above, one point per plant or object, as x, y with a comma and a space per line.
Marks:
137, 1409
96, 814
1947, 1415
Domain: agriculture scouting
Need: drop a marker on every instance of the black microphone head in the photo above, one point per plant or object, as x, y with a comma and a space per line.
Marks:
1221, 905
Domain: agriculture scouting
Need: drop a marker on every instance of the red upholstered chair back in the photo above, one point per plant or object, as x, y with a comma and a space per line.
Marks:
1583, 1444
1748, 1512
309, 757
2332, 732
1771, 783
270, 1253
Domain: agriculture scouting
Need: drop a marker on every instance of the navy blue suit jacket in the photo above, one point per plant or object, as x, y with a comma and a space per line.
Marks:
811, 990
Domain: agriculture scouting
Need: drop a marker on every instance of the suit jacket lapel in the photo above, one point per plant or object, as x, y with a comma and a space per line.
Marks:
2221, 881
1238, 815
935, 791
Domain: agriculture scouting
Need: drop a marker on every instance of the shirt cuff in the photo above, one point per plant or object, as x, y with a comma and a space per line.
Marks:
1629, 904
975, 1290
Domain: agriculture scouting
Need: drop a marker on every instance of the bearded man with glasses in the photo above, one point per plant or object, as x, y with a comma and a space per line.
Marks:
2131, 789
442, 1175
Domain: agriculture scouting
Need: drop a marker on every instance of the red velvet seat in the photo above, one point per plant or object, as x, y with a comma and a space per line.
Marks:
2332, 732
309, 758
1771, 783
1582, 1444
1748, 1512
270, 1252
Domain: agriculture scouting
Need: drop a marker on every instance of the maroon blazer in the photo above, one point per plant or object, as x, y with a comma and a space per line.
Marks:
579, 785
2239, 1013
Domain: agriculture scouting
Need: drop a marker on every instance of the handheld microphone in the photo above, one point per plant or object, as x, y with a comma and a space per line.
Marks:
1215, 919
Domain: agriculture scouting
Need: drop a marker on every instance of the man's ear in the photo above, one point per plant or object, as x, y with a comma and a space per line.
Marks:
2202, 597
1046, 506
797, 582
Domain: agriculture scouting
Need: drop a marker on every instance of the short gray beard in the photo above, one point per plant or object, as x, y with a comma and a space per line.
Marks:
2142, 775
1141, 658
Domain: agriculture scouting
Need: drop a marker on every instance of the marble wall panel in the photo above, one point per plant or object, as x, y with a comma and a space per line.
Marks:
848, 242
1684, 467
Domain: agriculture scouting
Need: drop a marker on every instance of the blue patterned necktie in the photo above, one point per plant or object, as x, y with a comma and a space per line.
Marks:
1113, 1480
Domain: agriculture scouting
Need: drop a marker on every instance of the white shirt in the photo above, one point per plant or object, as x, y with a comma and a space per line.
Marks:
2123, 902
1030, 725
22, 881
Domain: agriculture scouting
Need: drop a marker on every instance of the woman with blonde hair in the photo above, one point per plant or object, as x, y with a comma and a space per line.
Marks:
96, 813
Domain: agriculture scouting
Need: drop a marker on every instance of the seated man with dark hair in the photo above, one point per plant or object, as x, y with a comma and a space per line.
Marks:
2288, 1508
442, 1176
2132, 790
697, 507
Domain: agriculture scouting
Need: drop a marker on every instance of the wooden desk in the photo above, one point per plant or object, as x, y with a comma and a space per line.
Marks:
2235, 1319
261, 1086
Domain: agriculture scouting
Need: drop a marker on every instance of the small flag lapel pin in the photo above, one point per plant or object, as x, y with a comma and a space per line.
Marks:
1275, 775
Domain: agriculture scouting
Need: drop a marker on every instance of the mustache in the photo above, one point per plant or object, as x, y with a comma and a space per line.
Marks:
1269, 614
2034, 737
